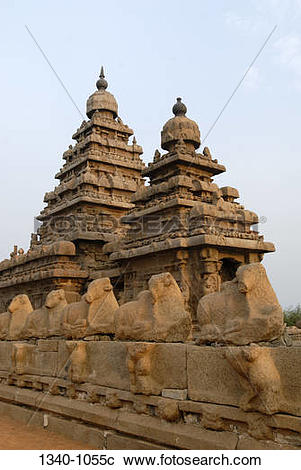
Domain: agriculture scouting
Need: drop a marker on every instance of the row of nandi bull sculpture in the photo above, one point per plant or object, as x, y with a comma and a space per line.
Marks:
245, 310
158, 314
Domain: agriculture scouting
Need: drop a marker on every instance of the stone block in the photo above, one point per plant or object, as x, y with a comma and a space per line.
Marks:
76, 431
117, 442
177, 435
42, 363
176, 394
107, 364
5, 355
212, 379
248, 443
156, 366
48, 345
63, 360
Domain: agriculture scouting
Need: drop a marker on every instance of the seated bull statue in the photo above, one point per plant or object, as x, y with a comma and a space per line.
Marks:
158, 314
246, 310
18, 311
103, 304
46, 321
94, 314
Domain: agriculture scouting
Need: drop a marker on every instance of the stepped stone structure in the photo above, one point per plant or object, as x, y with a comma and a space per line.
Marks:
183, 222
96, 183
141, 316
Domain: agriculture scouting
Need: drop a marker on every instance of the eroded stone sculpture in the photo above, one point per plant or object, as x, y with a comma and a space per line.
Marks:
46, 321
78, 370
103, 305
20, 307
158, 314
259, 378
94, 314
21, 357
139, 363
74, 319
246, 310
55, 303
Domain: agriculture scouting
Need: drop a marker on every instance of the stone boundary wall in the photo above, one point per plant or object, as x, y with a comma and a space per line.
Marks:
180, 396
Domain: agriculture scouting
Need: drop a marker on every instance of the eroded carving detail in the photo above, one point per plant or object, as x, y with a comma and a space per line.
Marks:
158, 314
139, 363
20, 307
258, 376
79, 368
246, 310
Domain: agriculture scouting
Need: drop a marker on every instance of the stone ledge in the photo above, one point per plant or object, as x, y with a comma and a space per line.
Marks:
181, 436
197, 240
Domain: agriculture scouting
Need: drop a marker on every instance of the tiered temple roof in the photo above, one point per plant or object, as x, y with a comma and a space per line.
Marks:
100, 174
118, 227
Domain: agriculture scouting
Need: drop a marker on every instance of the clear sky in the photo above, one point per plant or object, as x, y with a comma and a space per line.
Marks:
154, 51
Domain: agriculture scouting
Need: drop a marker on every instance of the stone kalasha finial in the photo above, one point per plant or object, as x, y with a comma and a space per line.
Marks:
101, 83
179, 109
180, 127
101, 99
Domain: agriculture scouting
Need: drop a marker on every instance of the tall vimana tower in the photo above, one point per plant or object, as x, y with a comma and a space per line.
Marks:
102, 220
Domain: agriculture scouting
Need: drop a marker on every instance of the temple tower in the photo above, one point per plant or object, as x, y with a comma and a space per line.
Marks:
183, 222
100, 174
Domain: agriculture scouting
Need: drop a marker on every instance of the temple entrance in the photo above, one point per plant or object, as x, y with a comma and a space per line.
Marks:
228, 269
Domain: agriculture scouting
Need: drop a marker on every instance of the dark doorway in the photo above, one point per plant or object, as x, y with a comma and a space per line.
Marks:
228, 269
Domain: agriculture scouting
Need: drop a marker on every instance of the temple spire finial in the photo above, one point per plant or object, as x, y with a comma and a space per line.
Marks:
179, 109
102, 83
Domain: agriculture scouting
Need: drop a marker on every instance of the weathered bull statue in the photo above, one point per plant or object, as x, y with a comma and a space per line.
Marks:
94, 314
246, 310
19, 308
158, 314
46, 321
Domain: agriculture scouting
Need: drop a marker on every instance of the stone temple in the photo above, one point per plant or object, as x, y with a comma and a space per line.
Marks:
141, 316
182, 222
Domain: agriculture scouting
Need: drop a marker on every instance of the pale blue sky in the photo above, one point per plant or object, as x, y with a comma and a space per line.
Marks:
154, 51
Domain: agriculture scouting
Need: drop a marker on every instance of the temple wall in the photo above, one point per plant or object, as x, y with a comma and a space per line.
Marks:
197, 270
180, 396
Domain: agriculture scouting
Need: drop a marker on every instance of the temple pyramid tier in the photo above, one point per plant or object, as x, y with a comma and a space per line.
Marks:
183, 222
100, 174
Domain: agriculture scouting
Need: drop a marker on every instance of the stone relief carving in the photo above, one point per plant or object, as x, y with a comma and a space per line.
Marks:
246, 310
258, 376
79, 368
21, 357
139, 364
